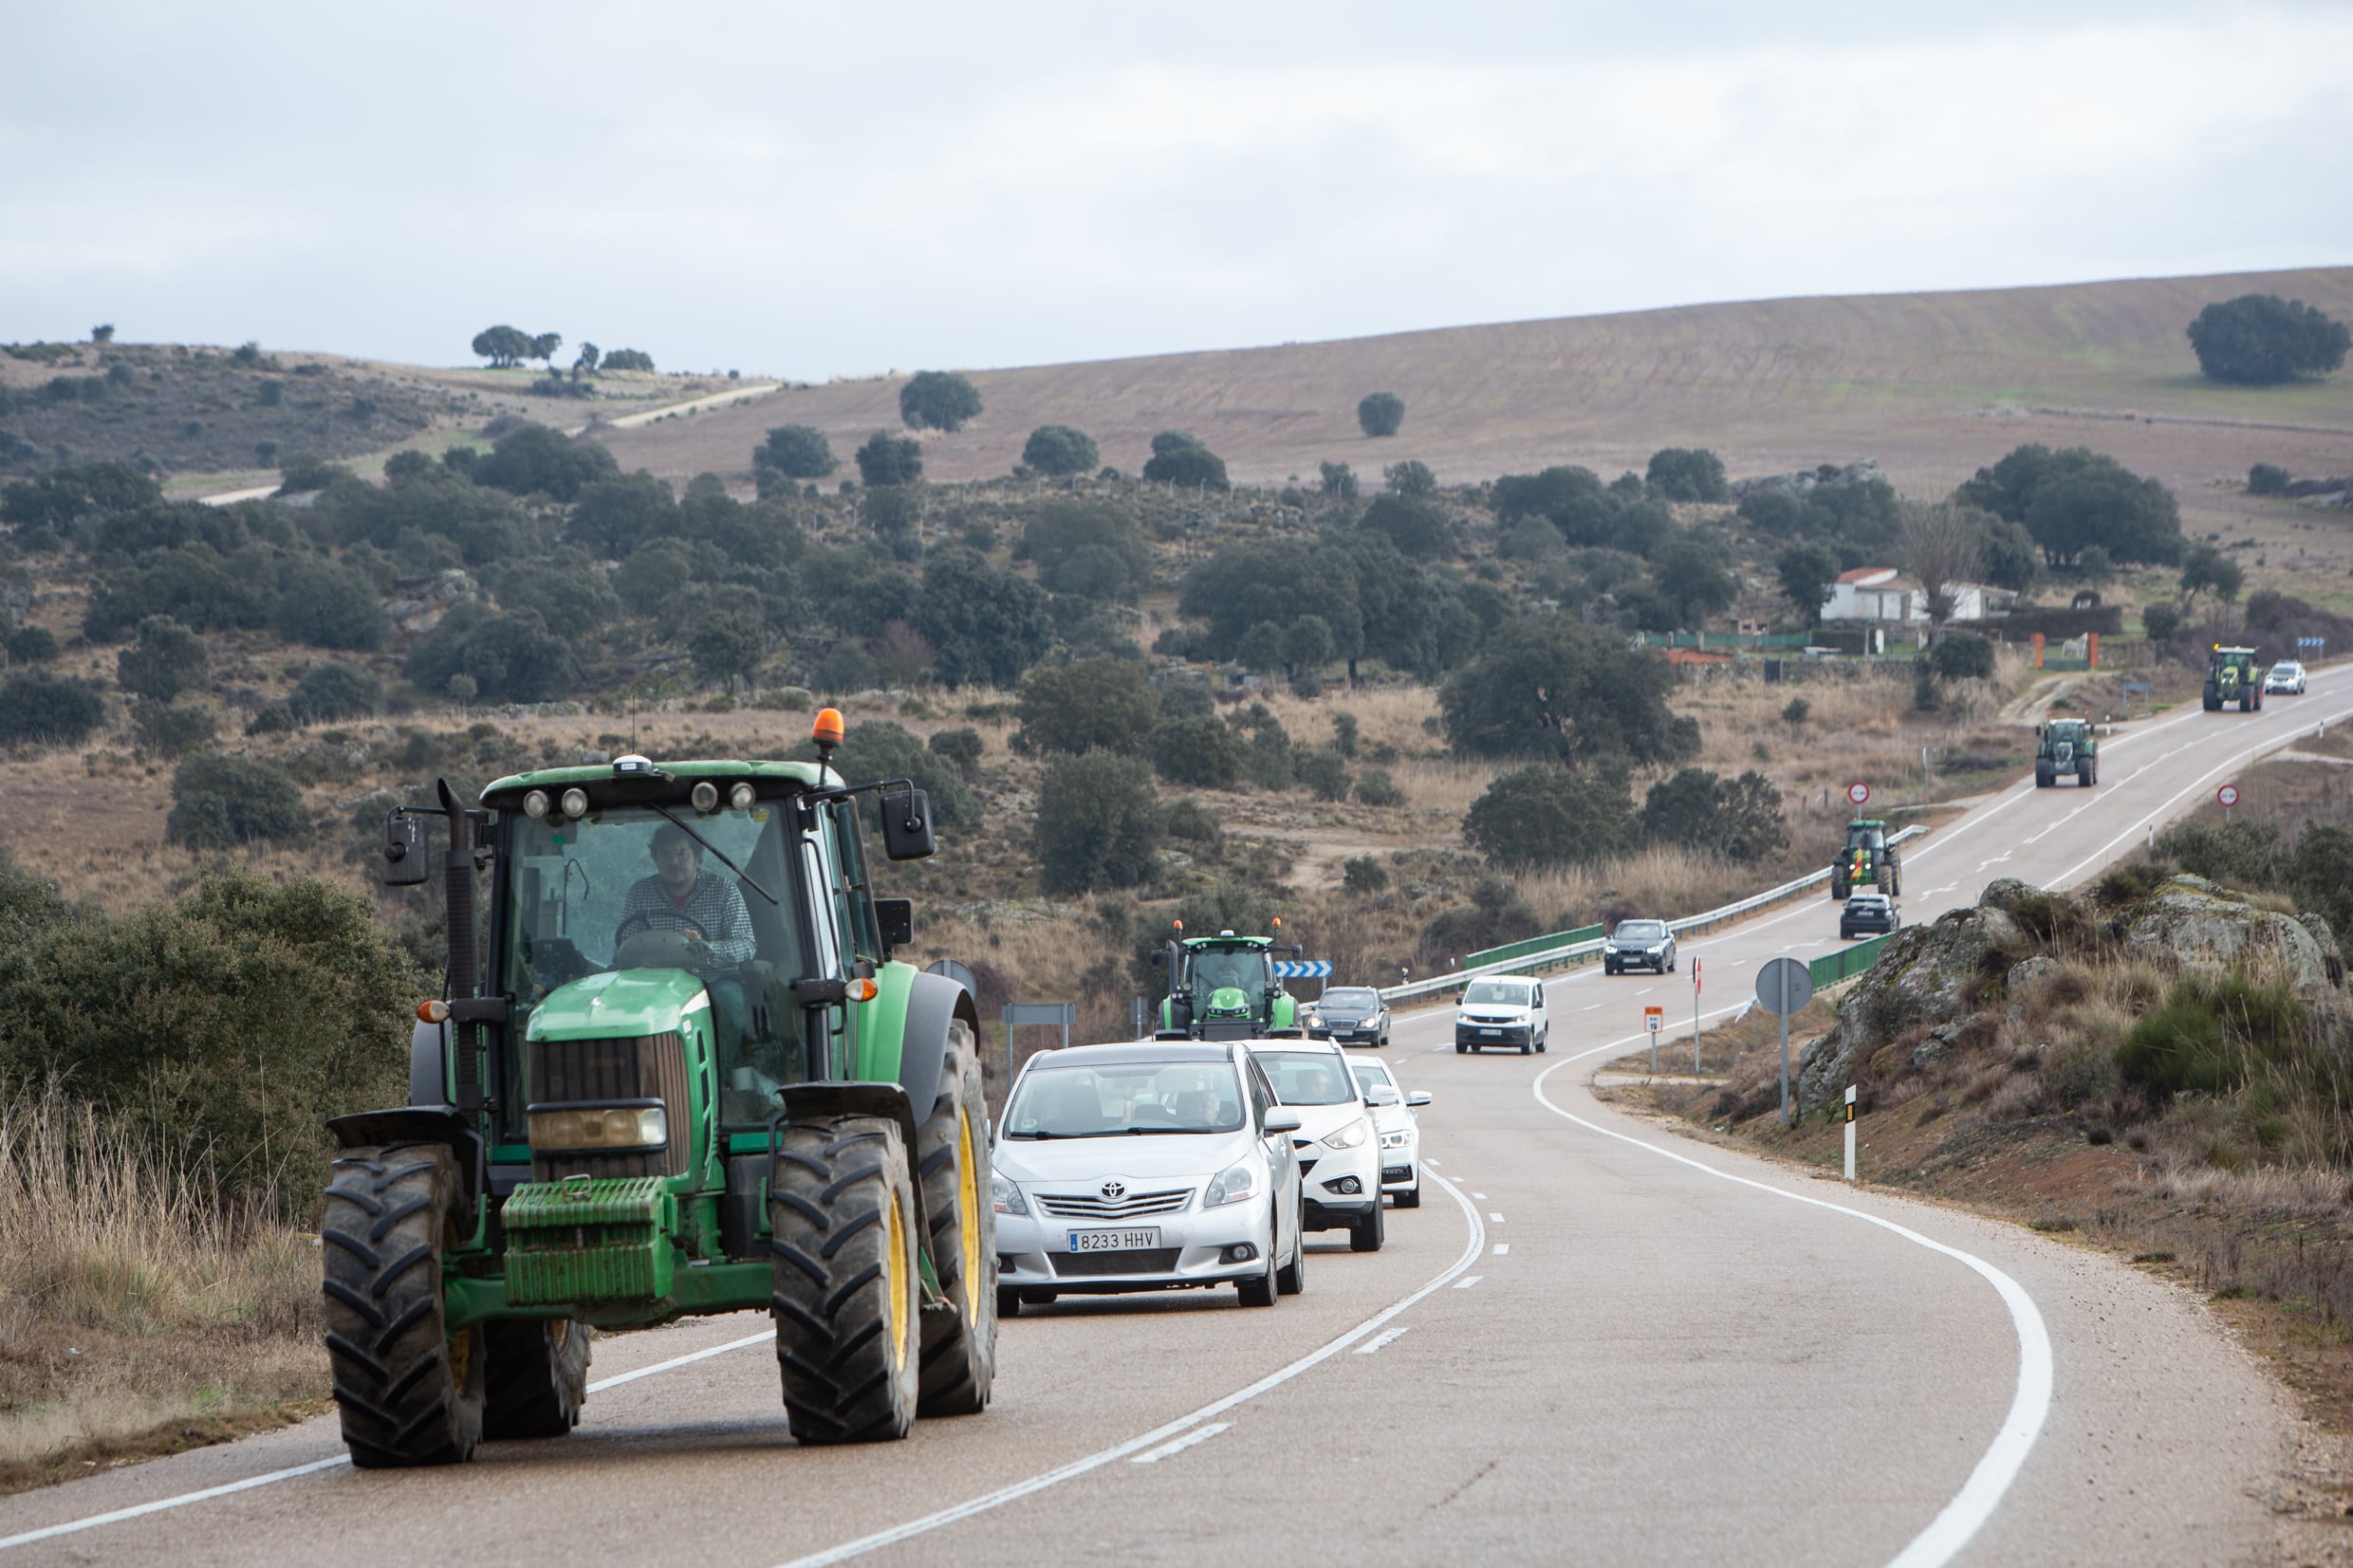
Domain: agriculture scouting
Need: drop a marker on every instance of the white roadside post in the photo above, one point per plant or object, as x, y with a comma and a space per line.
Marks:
1695, 1018
1652, 1018
1850, 1132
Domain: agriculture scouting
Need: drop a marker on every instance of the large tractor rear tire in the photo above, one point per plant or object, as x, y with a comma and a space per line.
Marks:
409, 1391
847, 1294
538, 1378
952, 1162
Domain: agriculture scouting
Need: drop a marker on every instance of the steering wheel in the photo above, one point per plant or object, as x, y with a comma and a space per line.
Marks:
642, 920
660, 949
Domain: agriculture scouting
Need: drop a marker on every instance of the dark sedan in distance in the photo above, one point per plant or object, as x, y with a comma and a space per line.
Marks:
1867, 913
1348, 1015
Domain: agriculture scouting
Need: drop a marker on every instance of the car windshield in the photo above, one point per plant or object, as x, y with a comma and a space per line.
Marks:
1640, 930
1497, 993
1351, 999
2283, 669
1127, 1097
1372, 1075
1307, 1077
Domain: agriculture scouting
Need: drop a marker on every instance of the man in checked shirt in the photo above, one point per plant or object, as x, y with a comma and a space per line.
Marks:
707, 909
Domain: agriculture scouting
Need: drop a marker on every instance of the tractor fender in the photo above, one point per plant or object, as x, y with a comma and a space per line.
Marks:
429, 1064
440, 1124
932, 1002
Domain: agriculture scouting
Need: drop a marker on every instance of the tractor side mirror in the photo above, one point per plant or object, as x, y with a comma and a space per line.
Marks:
907, 825
894, 918
406, 864
1159, 958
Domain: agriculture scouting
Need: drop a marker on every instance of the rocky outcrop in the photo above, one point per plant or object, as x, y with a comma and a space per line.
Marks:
2194, 924
423, 600
1932, 974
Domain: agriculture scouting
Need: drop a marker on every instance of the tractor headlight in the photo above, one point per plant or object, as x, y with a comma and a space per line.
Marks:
575, 802
1347, 1137
575, 1129
535, 804
740, 797
705, 796
1008, 1197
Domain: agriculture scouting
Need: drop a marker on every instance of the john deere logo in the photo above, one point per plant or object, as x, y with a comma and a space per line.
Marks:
1114, 1191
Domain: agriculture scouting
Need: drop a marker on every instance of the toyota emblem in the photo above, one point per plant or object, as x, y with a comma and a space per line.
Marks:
1114, 1190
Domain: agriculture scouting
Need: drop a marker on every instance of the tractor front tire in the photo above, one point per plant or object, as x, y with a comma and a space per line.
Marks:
409, 1391
1839, 886
2087, 776
848, 1295
952, 1162
2212, 701
538, 1377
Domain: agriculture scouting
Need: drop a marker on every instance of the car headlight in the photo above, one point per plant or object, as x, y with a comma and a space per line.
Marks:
1230, 1185
1401, 1138
1609, 946
1656, 949
1347, 1137
1315, 1021
1007, 1196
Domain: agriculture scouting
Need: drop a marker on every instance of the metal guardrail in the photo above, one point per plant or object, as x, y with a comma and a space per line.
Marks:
1833, 967
1573, 944
1488, 956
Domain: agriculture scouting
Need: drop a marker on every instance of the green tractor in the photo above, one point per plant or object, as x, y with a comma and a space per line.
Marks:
1866, 859
2065, 746
2233, 675
674, 1071
1224, 988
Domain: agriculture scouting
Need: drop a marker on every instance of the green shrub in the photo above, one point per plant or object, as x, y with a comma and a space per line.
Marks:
29, 645
1189, 820
887, 460
961, 746
1201, 751
167, 659
1375, 788
170, 729
1362, 874
1325, 774
1379, 414
1098, 823
937, 399
2267, 479
219, 802
797, 452
330, 691
37, 706
1060, 451
1548, 816
1095, 705
238, 1019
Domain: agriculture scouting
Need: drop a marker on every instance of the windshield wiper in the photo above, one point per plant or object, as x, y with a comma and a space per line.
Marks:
740, 872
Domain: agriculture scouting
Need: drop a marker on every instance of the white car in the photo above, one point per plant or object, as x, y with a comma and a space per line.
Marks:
1338, 1149
2286, 675
1401, 1135
1153, 1166
1506, 1012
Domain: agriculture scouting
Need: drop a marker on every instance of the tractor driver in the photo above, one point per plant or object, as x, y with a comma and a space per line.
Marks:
707, 909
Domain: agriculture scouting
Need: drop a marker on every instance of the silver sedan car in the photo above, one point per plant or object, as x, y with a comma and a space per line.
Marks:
1161, 1165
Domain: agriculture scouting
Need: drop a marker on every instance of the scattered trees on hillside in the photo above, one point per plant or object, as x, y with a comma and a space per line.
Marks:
2261, 339
507, 346
629, 359
938, 399
1380, 414
1200, 751
2206, 569
987, 624
51, 709
1059, 451
1098, 823
220, 802
1338, 480
1739, 818
537, 460
167, 659
1179, 458
1541, 816
797, 452
2074, 499
1093, 704
1807, 573
1089, 548
1686, 473
1560, 690
887, 460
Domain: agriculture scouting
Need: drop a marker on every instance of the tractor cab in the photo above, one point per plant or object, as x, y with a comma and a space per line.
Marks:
1225, 988
673, 1056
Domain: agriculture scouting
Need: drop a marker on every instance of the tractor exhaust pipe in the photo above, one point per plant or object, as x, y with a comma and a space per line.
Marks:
464, 973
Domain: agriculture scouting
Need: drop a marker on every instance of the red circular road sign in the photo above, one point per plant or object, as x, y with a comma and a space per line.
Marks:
2228, 795
1859, 792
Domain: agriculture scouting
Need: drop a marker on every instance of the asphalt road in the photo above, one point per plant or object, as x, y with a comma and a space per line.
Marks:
1596, 1341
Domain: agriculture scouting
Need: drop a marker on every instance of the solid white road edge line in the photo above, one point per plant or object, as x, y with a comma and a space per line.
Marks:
1962, 1518
163, 1505
1077, 1467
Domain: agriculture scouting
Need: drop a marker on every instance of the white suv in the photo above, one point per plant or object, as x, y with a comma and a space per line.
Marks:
1506, 1012
1338, 1146
1400, 1133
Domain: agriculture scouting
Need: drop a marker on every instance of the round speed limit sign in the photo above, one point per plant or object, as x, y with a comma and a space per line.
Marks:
1858, 792
2228, 795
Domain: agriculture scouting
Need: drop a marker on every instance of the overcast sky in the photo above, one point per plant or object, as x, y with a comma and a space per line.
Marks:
818, 189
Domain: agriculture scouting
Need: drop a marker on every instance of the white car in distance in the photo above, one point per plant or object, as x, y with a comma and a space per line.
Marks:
1337, 1147
1158, 1165
1400, 1133
2287, 677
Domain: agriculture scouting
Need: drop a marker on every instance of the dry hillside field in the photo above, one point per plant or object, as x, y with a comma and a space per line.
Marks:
1932, 385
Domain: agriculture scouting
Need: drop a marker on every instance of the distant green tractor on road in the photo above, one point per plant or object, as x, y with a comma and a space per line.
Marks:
1866, 859
675, 1071
2233, 675
2065, 747
1224, 987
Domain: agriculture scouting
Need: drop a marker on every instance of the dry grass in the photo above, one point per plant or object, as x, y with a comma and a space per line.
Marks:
130, 1299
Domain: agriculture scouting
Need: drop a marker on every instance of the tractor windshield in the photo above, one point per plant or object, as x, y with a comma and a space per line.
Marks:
631, 888
1243, 971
